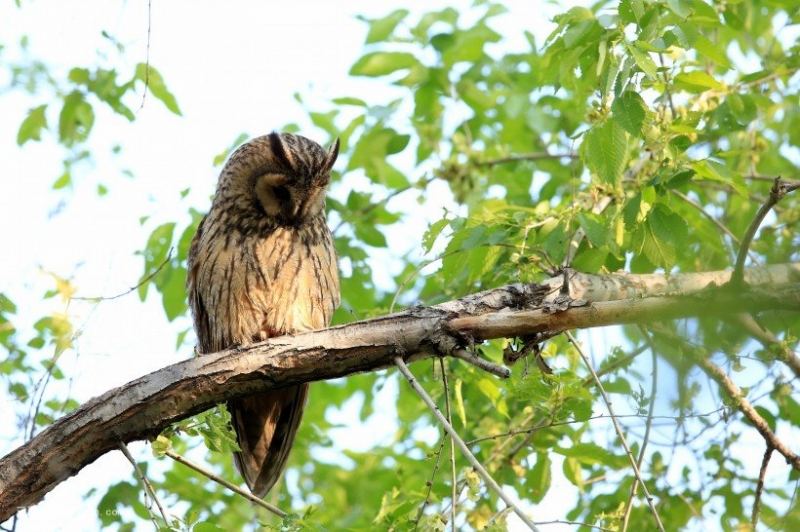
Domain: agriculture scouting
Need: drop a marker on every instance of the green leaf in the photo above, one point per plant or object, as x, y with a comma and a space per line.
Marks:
155, 254
715, 171
160, 446
697, 81
206, 526
572, 472
682, 8
349, 100
370, 235
462, 413
224, 154
76, 119
433, 233
31, 128
596, 227
605, 151
691, 39
540, 478
643, 61
629, 110
155, 84
380, 29
666, 233
64, 180
173, 293
383, 63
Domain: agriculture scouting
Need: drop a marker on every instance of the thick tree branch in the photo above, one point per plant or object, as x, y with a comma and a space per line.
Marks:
141, 409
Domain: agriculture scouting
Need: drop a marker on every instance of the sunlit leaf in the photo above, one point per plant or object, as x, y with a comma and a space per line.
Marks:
155, 84
382, 63
31, 128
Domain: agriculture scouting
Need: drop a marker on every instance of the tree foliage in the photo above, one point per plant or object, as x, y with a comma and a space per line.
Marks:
653, 128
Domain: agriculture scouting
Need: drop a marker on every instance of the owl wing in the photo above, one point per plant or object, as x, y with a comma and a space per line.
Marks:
265, 424
196, 304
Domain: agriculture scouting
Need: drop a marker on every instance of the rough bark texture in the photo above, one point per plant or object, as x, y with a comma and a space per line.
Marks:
142, 408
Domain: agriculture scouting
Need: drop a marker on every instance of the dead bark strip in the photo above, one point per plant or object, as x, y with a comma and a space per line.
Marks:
142, 408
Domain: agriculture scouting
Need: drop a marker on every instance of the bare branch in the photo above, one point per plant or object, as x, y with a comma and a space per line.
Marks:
453, 507
762, 474
527, 157
401, 365
648, 426
147, 55
429, 484
152, 274
618, 429
745, 407
219, 480
148, 488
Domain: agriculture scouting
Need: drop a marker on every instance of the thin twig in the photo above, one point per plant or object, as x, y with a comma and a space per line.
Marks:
490, 482
219, 480
147, 487
648, 426
132, 288
548, 424
430, 482
760, 486
721, 226
776, 193
576, 523
761, 177
746, 408
453, 507
415, 273
667, 85
588, 381
147, 53
618, 429
527, 157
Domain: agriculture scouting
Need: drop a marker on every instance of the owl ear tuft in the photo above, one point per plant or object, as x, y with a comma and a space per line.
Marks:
333, 153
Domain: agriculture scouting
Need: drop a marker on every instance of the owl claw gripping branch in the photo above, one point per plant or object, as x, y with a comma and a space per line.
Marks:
262, 264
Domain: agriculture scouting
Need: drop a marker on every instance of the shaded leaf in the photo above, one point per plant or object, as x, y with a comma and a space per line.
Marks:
605, 151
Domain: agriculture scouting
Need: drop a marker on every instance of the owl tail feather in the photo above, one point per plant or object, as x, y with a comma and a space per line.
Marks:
265, 426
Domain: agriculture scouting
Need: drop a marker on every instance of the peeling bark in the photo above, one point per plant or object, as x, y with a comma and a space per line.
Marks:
142, 408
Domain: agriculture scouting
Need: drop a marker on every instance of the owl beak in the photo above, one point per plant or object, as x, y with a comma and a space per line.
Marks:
311, 204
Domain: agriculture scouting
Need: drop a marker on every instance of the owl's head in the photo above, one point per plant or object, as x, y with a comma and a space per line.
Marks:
283, 175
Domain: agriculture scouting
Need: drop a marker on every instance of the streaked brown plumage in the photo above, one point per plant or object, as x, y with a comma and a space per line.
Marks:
262, 264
